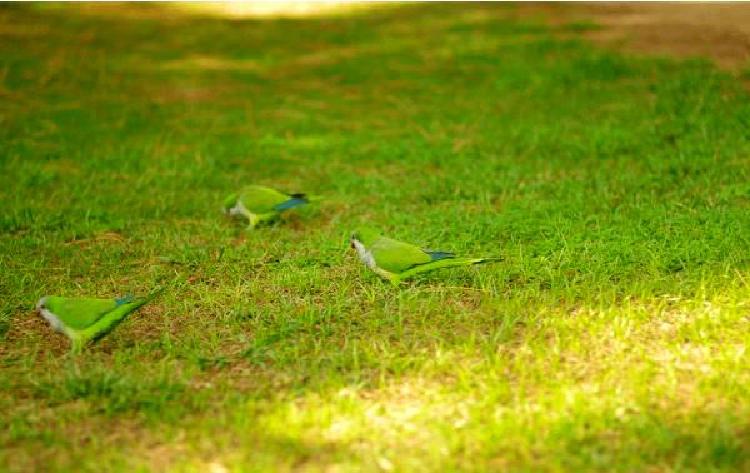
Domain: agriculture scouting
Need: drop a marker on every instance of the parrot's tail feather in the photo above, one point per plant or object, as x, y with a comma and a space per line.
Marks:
489, 260
450, 262
445, 263
137, 302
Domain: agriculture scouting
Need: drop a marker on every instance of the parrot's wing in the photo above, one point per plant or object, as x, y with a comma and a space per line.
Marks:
445, 263
260, 200
78, 313
293, 201
396, 256
438, 255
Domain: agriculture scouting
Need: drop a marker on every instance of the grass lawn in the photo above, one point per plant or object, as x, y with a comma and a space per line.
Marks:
613, 337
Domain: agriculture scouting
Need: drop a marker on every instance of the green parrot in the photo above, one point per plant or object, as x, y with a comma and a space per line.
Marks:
395, 261
260, 204
85, 319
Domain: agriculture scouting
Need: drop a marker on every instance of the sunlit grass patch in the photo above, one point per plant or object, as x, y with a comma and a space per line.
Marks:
612, 337
274, 9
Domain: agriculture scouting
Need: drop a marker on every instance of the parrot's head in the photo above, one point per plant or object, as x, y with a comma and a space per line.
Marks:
363, 236
229, 203
43, 307
360, 240
42, 304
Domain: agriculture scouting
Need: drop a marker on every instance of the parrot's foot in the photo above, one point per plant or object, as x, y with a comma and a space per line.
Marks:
252, 221
77, 344
394, 280
388, 276
255, 220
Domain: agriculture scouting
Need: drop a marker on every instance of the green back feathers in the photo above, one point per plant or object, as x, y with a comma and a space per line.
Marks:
260, 199
391, 255
80, 312
396, 256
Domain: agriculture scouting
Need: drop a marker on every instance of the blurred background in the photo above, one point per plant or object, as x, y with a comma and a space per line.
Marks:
601, 149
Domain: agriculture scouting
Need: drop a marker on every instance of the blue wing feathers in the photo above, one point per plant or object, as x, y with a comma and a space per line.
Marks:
438, 255
297, 199
124, 300
291, 203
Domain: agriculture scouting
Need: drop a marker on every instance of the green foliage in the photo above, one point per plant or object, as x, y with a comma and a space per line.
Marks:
111, 393
612, 337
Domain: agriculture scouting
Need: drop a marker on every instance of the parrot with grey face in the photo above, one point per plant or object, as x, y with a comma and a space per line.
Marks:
85, 319
395, 261
260, 204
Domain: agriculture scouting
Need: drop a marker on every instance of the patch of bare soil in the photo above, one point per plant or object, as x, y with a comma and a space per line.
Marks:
719, 31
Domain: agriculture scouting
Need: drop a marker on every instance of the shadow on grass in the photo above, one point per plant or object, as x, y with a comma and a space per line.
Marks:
615, 188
